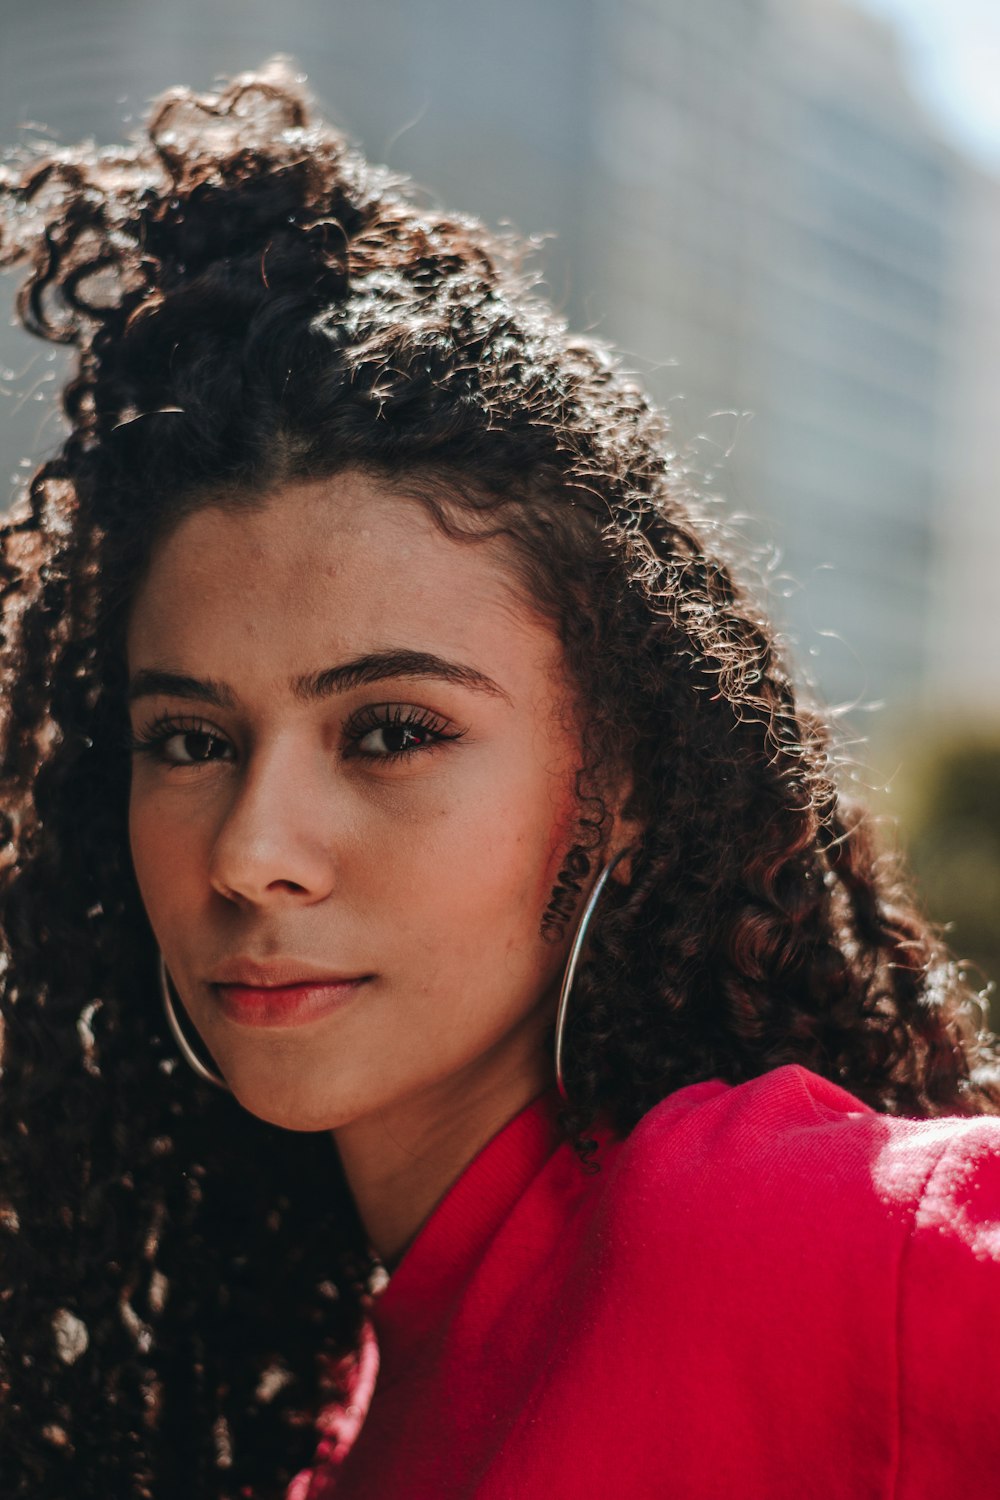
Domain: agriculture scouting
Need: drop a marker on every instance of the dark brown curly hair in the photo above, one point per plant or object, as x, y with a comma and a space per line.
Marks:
251, 304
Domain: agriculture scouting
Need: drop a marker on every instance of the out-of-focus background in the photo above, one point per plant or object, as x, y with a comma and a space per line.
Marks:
786, 213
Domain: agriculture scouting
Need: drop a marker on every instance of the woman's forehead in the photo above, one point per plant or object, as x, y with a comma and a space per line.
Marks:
349, 520
345, 564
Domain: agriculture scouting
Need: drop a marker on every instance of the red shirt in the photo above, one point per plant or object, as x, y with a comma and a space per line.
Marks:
767, 1292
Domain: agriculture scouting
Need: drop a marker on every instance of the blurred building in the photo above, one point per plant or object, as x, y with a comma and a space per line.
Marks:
743, 196
965, 639
782, 223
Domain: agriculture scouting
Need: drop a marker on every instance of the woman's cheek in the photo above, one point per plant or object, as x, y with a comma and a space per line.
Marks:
145, 835
165, 850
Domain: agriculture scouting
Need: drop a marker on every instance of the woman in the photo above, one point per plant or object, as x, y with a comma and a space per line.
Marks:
479, 859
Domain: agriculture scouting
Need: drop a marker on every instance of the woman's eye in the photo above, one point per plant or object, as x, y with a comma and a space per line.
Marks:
396, 739
192, 747
180, 745
391, 731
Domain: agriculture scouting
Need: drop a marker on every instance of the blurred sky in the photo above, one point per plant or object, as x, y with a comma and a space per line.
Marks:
952, 48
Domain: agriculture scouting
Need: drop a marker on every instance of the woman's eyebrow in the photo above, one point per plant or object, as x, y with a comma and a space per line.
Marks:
378, 665
150, 681
375, 666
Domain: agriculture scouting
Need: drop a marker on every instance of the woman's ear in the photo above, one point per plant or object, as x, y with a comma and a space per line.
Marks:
626, 833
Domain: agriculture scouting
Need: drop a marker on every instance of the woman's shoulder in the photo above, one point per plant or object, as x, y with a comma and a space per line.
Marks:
849, 1259
794, 1162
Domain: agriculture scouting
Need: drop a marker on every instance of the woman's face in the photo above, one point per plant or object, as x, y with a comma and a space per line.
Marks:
358, 770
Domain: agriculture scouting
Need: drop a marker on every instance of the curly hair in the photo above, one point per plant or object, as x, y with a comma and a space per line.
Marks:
252, 304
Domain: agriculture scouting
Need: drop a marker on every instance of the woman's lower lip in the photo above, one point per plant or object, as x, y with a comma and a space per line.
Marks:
287, 1005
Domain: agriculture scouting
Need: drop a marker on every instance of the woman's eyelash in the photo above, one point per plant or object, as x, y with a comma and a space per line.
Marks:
398, 721
415, 728
150, 739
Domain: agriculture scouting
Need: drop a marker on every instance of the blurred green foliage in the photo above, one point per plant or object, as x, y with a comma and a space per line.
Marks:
950, 823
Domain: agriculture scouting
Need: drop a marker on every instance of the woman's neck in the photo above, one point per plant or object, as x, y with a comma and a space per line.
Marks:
399, 1163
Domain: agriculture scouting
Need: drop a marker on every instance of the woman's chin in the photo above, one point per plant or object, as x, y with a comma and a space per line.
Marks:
288, 1115
290, 1104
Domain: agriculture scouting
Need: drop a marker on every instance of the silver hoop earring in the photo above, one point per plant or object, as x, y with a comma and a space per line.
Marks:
187, 1052
579, 938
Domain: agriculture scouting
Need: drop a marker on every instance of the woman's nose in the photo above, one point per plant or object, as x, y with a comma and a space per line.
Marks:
275, 844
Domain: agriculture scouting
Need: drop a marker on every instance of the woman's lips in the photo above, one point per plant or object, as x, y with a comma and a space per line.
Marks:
286, 1004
